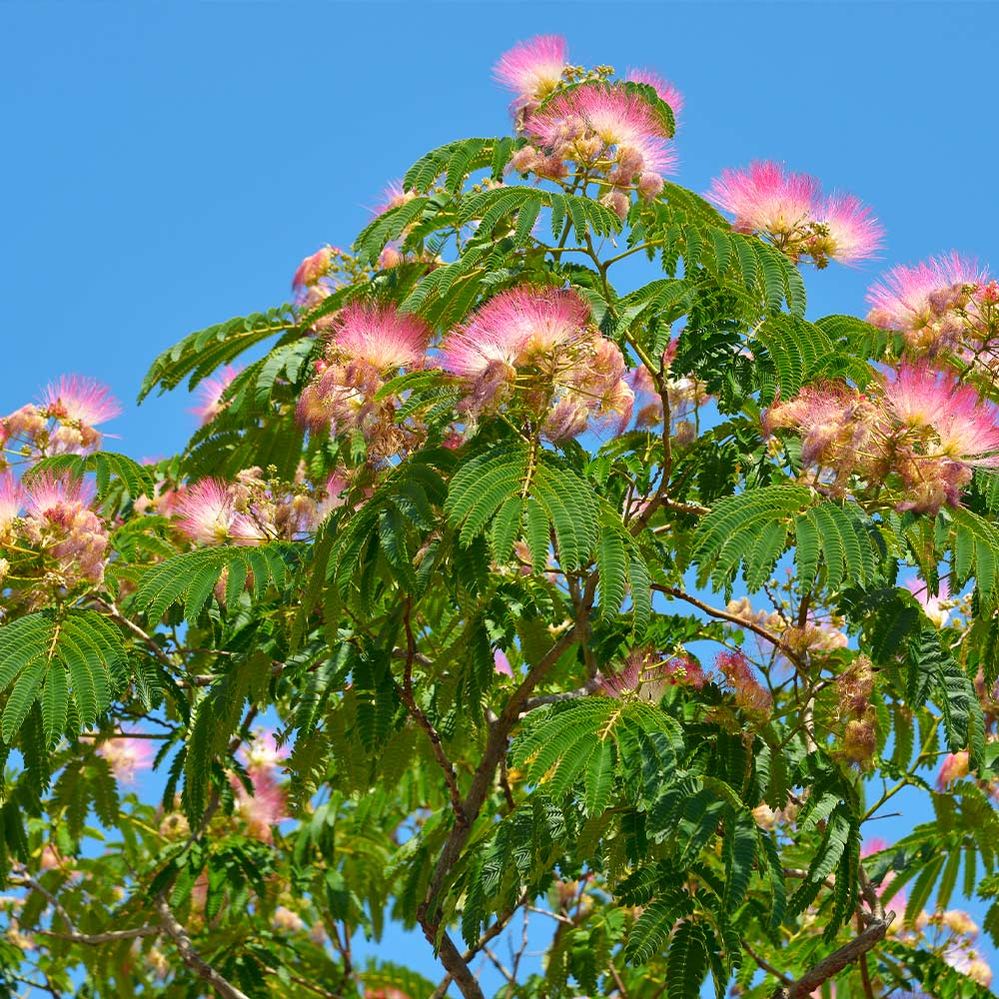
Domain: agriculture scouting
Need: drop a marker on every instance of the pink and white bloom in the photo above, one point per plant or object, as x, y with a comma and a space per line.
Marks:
532, 69
965, 427
934, 303
80, 400
126, 756
58, 497
207, 514
11, 500
379, 335
956, 766
598, 121
853, 233
514, 325
263, 752
790, 210
210, 393
930, 604
313, 267
393, 196
265, 807
501, 664
667, 91
765, 197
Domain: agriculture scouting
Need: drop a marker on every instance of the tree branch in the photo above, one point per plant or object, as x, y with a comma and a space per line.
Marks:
190, 956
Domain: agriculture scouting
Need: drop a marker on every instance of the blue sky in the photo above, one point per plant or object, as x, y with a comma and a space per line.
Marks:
167, 166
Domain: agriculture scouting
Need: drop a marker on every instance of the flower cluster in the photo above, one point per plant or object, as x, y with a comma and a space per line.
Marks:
263, 805
211, 394
611, 134
53, 516
536, 349
750, 695
854, 688
247, 511
368, 345
64, 422
126, 755
922, 425
790, 210
646, 674
946, 303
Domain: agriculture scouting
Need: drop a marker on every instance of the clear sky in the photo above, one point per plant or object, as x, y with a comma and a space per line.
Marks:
166, 166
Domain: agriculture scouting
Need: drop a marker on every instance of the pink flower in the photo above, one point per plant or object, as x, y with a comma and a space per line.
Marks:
263, 752
312, 268
532, 69
11, 500
931, 605
80, 400
834, 420
764, 197
380, 336
955, 767
666, 90
501, 664
207, 515
210, 393
265, 807
598, 121
965, 426
126, 756
750, 695
853, 231
513, 325
789, 209
393, 196
917, 300
57, 498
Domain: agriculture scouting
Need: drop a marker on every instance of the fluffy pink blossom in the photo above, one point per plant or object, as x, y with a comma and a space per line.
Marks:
599, 121
126, 756
954, 767
930, 604
667, 91
532, 69
379, 335
263, 752
965, 426
80, 400
764, 197
854, 233
750, 695
11, 500
790, 210
57, 497
513, 325
265, 807
207, 515
501, 664
934, 303
835, 423
312, 268
393, 196
210, 393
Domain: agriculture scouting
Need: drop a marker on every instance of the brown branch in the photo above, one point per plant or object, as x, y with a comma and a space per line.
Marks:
494, 931
837, 961
482, 781
190, 956
724, 615
765, 964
